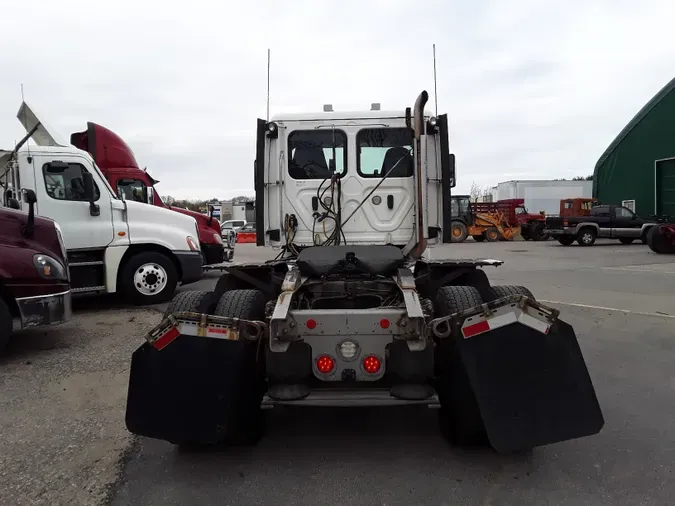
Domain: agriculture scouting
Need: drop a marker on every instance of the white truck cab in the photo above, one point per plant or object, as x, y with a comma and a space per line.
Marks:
113, 245
325, 174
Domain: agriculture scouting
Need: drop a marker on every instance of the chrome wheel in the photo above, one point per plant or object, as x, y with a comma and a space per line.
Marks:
150, 279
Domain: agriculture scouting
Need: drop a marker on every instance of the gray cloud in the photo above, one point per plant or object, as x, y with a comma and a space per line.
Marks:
532, 89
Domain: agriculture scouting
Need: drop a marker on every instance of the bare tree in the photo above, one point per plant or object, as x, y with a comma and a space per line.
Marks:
475, 192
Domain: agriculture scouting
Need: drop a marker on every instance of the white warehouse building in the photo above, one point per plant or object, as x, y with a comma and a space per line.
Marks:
542, 195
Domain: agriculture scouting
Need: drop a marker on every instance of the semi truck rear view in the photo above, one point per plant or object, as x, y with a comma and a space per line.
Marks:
352, 312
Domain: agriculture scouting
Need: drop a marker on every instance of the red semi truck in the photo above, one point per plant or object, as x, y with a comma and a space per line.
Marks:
118, 164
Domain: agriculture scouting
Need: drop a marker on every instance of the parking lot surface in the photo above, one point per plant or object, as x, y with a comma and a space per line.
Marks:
70, 446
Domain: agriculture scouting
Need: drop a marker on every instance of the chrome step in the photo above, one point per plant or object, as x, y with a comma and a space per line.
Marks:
85, 264
86, 289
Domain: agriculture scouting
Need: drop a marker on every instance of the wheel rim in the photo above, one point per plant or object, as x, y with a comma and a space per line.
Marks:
150, 279
587, 237
492, 234
456, 232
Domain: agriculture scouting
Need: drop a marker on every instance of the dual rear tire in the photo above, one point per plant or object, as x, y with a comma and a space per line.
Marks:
245, 420
459, 415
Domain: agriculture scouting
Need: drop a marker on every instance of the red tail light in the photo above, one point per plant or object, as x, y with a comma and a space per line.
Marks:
325, 364
371, 364
311, 324
384, 323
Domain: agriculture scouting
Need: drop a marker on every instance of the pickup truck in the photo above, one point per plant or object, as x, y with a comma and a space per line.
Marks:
603, 221
34, 279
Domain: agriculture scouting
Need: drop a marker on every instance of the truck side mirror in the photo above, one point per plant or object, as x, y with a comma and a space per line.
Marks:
452, 171
88, 181
29, 198
12, 203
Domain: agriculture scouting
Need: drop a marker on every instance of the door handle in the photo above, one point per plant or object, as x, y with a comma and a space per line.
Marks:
390, 201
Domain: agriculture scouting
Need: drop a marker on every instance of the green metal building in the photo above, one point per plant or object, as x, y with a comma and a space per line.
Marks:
638, 168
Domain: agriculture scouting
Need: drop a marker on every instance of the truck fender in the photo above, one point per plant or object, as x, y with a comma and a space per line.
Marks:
587, 224
644, 230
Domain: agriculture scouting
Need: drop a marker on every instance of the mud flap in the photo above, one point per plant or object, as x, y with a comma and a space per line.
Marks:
196, 390
531, 382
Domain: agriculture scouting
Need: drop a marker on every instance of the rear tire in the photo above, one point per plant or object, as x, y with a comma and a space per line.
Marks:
248, 422
565, 240
478, 238
505, 290
5, 326
459, 416
459, 231
586, 236
189, 301
492, 234
148, 278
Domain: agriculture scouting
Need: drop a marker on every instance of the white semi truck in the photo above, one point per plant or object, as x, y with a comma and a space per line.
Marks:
113, 245
352, 313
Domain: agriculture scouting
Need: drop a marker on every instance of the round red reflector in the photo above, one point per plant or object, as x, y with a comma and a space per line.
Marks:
311, 324
371, 364
384, 323
325, 364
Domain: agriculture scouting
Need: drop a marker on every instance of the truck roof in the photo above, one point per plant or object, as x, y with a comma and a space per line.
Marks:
342, 115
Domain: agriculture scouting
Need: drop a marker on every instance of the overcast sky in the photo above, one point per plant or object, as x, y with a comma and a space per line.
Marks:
533, 89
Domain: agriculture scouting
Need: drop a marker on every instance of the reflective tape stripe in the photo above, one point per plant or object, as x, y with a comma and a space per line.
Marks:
474, 329
165, 339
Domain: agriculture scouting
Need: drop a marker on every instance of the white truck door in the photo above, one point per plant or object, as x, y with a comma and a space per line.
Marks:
60, 190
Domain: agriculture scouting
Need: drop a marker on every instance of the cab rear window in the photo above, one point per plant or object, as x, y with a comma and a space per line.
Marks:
317, 154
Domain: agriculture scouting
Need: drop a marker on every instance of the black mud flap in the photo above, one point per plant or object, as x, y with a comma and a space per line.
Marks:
190, 392
532, 388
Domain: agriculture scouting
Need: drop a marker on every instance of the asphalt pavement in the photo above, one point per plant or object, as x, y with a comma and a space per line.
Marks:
619, 300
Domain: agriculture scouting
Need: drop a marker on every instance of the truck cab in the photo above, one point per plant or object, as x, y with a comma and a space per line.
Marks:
118, 164
532, 226
113, 244
34, 281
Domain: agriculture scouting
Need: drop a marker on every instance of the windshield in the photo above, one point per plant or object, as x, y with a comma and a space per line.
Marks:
521, 210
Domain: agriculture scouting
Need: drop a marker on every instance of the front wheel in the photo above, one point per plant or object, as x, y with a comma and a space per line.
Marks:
149, 278
492, 234
459, 231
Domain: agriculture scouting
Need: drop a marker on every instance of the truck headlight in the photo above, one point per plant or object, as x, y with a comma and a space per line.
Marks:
192, 243
49, 268
218, 239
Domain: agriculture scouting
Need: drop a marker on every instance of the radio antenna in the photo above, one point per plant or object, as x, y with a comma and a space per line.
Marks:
435, 89
268, 84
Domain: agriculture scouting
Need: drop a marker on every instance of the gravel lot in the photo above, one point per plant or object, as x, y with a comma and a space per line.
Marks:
64, 393
62, 408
